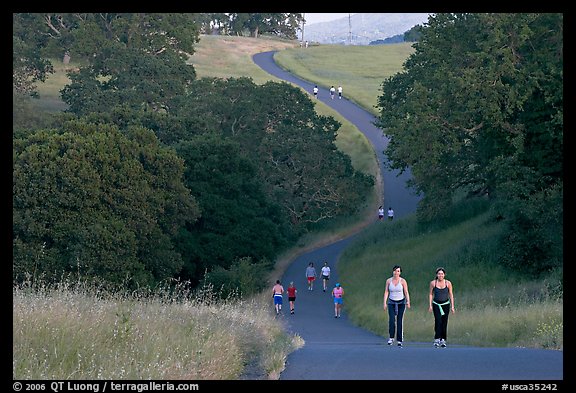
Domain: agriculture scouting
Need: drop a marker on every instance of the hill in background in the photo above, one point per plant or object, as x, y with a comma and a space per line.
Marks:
361, 29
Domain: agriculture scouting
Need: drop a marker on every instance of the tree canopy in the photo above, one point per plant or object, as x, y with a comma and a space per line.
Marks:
281, 24
479, 108
98, 203
261, 163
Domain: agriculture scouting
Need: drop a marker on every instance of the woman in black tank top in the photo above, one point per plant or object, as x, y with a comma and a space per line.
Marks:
441, 302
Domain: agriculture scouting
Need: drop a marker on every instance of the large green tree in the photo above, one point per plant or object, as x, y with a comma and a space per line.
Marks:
133, 59
479, 87
238, 218
293, 147
137, 59
29, 63
479, 108
284, 25
99, 203
260, 161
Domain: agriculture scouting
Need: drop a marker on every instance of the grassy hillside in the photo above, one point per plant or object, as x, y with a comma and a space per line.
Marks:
494, 307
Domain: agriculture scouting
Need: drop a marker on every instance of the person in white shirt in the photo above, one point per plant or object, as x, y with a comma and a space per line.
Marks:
325, 271
339, 92
332, 91
390, 214
315, 90
396, 299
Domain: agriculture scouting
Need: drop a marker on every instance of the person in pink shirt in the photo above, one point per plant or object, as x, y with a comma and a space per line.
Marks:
337, 294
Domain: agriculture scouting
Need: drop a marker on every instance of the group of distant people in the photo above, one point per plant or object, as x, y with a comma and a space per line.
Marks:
381, 213
311, 274
396, 300
332, 91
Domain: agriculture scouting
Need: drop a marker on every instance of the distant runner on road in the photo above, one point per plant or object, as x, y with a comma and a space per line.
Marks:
311, 275
325, 271
277, 291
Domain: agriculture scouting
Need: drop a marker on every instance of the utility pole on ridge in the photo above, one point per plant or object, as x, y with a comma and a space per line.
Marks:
303, 22
349, 30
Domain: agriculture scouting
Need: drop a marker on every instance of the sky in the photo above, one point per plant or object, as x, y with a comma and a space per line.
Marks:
317, 17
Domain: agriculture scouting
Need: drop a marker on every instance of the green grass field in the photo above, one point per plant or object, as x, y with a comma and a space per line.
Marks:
359, 69
493, 307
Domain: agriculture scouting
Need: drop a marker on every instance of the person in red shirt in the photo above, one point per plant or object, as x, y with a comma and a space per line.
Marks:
291, 295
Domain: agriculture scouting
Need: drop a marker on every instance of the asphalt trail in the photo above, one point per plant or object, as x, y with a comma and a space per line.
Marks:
336, 350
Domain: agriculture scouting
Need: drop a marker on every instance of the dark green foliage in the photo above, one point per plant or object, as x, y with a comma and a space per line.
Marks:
464, 208
29, 63
135, 59
279, 24
304, 170
238, 218
104, 205
293, 148
245, 277
414, 34
534, 242
261, 163
466, 98
131, 79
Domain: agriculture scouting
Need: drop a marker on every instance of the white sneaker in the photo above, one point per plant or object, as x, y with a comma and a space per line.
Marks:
390, 341
443, 343
400, 343
436, 342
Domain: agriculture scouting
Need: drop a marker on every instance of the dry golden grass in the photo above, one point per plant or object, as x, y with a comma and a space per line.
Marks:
231, 56
82, 333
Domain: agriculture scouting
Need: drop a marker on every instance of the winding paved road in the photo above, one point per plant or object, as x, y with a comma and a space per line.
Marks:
336, 350
395, 193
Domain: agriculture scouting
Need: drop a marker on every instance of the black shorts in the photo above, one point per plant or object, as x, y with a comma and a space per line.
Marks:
325, 277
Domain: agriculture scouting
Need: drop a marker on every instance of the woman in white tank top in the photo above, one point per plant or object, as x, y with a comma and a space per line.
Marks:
396, 299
